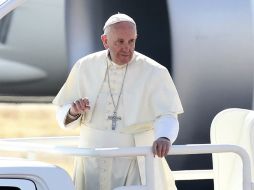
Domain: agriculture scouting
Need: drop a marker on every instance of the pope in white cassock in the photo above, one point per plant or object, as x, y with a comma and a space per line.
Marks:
120, 98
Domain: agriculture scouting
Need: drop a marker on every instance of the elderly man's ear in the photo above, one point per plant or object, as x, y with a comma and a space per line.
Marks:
104, 41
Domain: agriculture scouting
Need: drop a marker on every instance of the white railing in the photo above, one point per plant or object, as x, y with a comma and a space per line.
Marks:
26, 145
21, 146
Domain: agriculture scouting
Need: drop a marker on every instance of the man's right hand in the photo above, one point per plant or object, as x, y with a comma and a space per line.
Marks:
79, 107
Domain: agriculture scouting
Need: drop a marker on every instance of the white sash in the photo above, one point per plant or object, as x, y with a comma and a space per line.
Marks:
96, 138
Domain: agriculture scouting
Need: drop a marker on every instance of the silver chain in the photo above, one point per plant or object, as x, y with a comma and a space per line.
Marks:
117, 104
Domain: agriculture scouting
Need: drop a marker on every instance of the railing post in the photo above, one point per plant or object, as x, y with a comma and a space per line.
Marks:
150, 182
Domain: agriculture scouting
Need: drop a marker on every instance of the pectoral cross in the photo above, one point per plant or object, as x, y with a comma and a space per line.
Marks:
114, 119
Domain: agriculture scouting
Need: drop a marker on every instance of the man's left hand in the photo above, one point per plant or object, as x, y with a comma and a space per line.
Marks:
161, 147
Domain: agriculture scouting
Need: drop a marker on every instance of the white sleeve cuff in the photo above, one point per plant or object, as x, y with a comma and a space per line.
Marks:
61, 115
167, 126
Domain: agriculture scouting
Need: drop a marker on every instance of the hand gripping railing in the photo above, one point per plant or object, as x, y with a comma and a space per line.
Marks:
137, 151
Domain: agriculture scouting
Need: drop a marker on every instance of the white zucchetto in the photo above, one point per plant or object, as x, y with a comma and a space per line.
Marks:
119, 17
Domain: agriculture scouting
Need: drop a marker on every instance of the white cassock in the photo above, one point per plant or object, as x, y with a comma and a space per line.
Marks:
148, 94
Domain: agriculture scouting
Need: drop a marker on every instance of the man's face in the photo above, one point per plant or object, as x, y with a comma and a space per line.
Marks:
120, 41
